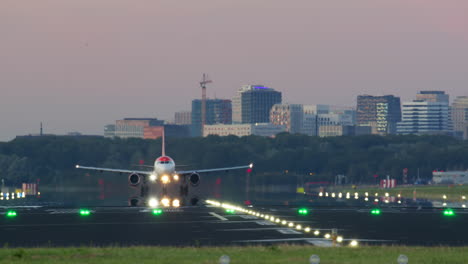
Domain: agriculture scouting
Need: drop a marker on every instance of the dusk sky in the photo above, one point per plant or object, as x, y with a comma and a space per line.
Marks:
77, 65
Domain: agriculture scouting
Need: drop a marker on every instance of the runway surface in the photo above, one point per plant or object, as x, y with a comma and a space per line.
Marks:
213, 226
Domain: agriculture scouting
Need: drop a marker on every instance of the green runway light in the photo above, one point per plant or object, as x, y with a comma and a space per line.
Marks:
303, 211
11, 214
449, 212
375, 212
85, 212
157, 212
230, 211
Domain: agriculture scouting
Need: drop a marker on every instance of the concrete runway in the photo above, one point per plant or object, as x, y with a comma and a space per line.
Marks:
212, 226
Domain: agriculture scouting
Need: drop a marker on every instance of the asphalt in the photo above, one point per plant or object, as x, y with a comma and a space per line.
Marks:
213, 226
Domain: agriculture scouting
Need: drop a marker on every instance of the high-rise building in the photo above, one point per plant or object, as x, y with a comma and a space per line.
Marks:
380, 112
183, 118
424, 117
433, 96
256, 103
288, 115
218, 111
459, 112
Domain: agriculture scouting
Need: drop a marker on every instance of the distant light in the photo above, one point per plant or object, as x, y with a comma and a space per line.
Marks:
153, 177
303, 211
339, 239
85, 212
298, 227
175, 203
402, 259
291, 225
327, 236
353, 243
157, 211
444, 196
314, 259
449, 212
307, 229
224, 259
376, 211
176, 177
284, 222
11, 214
316, 232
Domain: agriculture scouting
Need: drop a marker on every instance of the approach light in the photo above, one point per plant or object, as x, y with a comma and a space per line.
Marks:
353, 243
157, 211
303, 211
339, 239
175, 203
165, 179
449, 212
327, 236
316, 232
153, 202
298, 227
307, 229
85, 212
375, 211
176, 177
153, 177
291, 224
11, 214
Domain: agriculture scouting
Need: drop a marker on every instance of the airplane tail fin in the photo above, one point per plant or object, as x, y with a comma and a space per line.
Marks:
163, 152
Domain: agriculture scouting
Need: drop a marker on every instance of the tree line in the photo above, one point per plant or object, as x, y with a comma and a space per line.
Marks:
363, 159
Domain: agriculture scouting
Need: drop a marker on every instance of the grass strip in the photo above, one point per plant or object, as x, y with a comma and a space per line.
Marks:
277, 254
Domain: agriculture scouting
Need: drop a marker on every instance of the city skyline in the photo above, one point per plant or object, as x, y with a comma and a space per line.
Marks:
78, 65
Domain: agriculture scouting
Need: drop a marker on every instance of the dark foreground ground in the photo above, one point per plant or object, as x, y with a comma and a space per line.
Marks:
212, 226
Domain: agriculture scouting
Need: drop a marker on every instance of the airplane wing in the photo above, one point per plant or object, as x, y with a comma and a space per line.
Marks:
217, 169
114, 170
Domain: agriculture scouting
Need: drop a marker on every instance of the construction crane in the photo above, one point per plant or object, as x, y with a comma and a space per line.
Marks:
203, 84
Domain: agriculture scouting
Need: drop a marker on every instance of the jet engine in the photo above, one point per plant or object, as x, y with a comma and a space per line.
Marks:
134, 179
194, 179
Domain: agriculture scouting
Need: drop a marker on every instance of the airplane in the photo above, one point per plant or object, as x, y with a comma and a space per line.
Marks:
172, 186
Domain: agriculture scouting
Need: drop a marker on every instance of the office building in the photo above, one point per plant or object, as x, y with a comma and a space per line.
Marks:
256, 103
288, 115
424, 117
382, 113
218, 111
132, 127
433, 96
240, 130
183, 118
459, 112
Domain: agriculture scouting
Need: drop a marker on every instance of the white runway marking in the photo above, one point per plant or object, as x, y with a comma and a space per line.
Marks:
265, 223
248, 216
289, 231
218, 216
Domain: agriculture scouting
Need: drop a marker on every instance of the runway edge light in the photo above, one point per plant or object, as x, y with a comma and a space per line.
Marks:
11, 214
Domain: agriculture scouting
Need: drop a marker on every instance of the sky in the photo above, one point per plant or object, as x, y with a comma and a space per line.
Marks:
76, 65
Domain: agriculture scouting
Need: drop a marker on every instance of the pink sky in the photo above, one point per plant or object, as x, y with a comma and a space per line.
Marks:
77, 65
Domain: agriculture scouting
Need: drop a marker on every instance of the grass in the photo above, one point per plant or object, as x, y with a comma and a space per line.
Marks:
434, 192
239, 255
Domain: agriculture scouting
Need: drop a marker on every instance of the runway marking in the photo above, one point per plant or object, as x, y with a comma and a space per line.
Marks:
277, 240
289, 231
320, 243
248, 216
265, 223
218, 216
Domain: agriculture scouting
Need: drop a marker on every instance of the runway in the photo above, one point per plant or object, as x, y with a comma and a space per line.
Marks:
213, 226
